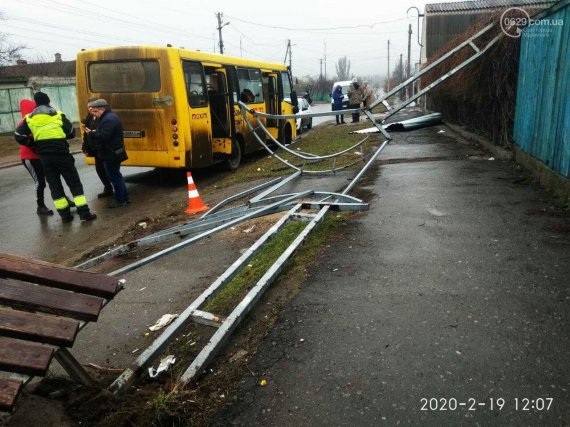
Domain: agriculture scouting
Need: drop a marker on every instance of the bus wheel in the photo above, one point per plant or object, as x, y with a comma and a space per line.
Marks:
287, 136
233, 162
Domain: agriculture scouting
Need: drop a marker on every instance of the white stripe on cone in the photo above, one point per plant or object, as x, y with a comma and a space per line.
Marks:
192, 194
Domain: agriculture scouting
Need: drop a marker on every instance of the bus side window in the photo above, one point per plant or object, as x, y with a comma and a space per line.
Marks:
251, 88
195, 84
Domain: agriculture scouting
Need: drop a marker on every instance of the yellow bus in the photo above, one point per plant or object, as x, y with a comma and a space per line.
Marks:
179, 107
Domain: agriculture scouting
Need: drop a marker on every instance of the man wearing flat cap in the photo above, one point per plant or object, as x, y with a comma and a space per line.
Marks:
111, 146
51, 130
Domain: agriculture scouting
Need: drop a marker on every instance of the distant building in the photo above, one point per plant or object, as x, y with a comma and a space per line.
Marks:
22, 80
445, 21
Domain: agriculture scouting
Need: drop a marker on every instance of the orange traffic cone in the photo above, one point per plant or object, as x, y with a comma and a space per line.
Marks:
195, 203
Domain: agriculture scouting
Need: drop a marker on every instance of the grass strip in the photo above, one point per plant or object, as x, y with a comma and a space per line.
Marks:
224, 302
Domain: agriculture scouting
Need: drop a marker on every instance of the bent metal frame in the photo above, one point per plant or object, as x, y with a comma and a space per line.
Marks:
214, 221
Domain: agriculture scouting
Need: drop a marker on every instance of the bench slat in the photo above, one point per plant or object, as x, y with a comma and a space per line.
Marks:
14, 293
59, 331
24, 358
9, 391
56, 276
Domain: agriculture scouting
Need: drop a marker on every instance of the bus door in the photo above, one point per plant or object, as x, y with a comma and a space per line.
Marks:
220, 108
200, 147
271, 98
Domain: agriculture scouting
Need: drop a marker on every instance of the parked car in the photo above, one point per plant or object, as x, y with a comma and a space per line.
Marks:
344, 84
304, 108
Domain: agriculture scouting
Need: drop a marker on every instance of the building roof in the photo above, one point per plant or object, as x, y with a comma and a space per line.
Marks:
477, 5
47, 69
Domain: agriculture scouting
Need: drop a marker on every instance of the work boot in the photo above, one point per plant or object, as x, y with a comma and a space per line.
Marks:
85, 214
107, 192
43, 210
65, 214
88, 217
116, 204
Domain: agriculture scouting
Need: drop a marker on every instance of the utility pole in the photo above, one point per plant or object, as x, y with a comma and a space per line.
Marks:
290, 53
325, 59
388, 65
402, 92
409, 59
221, 25
290, 57
321, 59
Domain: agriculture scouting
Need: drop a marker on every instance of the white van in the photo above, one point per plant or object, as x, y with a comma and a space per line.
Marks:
344, 84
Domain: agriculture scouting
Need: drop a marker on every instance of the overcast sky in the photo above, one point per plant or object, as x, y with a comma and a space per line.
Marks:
317, 29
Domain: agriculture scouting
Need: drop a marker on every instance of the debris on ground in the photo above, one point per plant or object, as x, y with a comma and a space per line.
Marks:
249, 230
238, 355
165, 363
163, 321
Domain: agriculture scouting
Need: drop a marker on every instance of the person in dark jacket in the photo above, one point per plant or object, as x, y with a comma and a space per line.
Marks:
337, 97
354, 99
89, 148
50, 130
110, 148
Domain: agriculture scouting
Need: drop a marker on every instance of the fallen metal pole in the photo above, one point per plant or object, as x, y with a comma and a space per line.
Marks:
160, 343
241, 195
276, 187
184, 243
234, 319
365, 168
310, 156
431, 66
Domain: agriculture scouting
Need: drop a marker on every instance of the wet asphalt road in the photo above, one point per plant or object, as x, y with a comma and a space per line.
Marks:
25, 233
453, 288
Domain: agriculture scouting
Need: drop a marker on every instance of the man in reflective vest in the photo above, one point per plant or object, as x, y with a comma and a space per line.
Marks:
51, 130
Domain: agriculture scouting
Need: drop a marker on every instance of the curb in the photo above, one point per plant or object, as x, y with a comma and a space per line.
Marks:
499, 152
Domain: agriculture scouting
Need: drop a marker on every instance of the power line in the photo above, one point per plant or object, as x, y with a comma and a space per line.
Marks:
319, 29
59, 27
94, 14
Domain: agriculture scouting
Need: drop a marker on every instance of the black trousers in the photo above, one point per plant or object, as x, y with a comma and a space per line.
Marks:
355, 116
57, 166
36, 170
100, 169
339, 119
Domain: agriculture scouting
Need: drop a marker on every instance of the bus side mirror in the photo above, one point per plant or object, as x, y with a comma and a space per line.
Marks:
294, 99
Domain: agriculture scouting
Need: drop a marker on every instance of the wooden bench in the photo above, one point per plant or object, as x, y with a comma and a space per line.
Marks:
43, 306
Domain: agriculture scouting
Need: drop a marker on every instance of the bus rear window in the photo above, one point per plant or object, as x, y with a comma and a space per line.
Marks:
125, 76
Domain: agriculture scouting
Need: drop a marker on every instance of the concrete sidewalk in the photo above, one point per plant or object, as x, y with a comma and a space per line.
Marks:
453, 287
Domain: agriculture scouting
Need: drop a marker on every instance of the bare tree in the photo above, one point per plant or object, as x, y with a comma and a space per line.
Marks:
343, 68
9, 53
